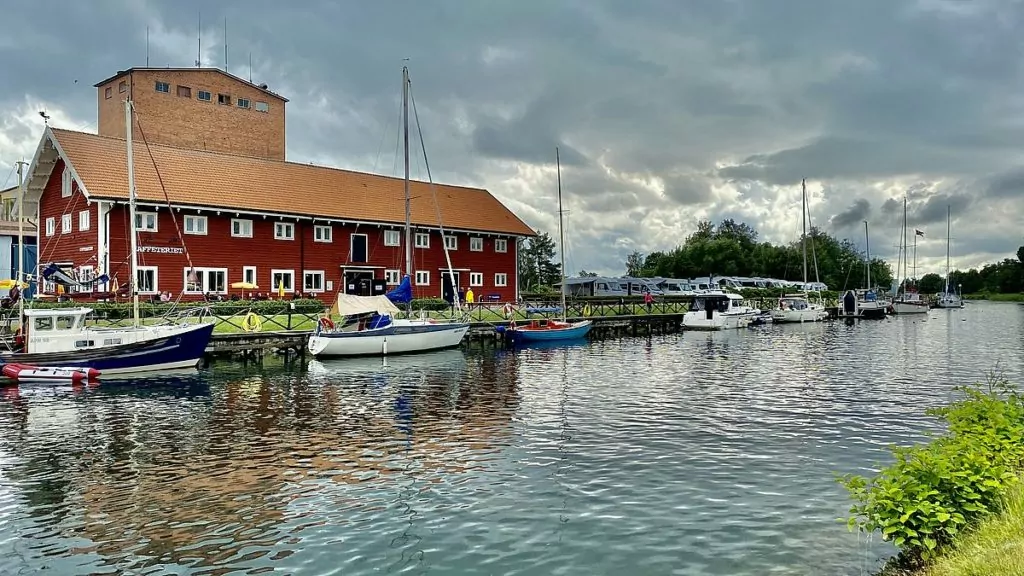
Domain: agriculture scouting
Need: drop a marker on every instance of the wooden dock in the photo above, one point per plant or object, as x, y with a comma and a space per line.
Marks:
481, 334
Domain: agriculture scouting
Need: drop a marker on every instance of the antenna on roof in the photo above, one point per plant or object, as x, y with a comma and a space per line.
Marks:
225, 43
199, 54
147, 46
250, 67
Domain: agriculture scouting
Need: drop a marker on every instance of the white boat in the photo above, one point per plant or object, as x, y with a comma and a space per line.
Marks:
719, 310
799, 308
907, 301
370, 325
948, 298
864, 303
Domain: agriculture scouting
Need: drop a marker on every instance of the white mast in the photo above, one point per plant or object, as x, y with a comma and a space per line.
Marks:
21, 241
408, 210
561, 232
134, 248
803, 238
946, 291
867, 254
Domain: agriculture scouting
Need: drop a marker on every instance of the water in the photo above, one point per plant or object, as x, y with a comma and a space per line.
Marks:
688, 454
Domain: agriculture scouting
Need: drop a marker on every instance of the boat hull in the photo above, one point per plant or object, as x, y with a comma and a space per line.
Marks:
812, 313
574, 331
949, 301
698, 320
397, 338
899, 308
174, 349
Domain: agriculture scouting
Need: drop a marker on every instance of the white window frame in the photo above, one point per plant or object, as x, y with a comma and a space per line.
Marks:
393, 277
162, 84
243, 103
307, 274
207, 93
249, 275
85, 273
83, 221
242, 224
51, 226
280, 227
156, 278
425, 276
500, 279
65, 224
323, 233
290, 274
392, 238
422, 240
262, 106
195, 219
65, 183
202, 274
476, 244
144, 219
476, 279
501, 245
451, 242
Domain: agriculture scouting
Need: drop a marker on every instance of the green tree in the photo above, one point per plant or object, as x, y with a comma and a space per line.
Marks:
585, 274
634, 263
1020, 255
930, 283
537, 268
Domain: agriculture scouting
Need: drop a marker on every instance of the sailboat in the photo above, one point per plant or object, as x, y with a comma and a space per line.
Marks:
797, 307
547, 329
58, 338
864, 303
370, 326
907, 302
948, 298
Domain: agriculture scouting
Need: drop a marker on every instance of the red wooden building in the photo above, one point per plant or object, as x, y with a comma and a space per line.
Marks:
232, 218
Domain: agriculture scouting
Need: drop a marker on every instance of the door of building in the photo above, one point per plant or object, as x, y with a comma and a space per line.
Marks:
359, 282
449, 285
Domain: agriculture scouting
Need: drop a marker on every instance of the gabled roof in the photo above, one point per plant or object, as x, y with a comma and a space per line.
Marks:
212, 180
260, 87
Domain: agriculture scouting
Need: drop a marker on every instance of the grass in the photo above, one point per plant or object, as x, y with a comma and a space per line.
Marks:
996, 546
995, 297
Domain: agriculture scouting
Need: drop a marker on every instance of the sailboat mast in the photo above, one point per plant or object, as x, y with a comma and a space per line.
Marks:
134, 248
867, 254
947, 249
408, 210
904, 245
803, 214
21, 242
561, 232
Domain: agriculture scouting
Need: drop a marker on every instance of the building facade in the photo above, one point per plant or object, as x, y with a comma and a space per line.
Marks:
209, 219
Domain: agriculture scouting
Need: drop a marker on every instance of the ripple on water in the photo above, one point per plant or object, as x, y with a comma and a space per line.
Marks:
686, 454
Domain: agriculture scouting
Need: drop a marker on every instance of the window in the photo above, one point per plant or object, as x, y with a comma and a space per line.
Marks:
476, 244
122, 87
282, 277
205, 96
85, 274
249, 275
262, 107
392, 277
313, 281
65, 224
392, 238
243, 102
423, 278
163, 87
145, 221
184, 91
501, 245
476, 278
206, 280
195, 224
501, 279
65, 183
422, 240
44, 323
107, 93
51, 226
322, 233
241, 228
284, 231
451, 242
146, 279
224, 99
83, 220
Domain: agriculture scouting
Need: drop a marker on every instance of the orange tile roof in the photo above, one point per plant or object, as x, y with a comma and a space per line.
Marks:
212, 180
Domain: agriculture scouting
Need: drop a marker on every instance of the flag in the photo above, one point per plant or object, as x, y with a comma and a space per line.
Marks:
918, 232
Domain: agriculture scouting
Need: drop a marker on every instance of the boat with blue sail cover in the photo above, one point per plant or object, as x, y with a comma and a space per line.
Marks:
546, 329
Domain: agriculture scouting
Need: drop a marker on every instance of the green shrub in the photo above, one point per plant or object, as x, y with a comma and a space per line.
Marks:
935, 490
430, 304
120, 310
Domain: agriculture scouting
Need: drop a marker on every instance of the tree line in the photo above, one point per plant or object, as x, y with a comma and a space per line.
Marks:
1003, 277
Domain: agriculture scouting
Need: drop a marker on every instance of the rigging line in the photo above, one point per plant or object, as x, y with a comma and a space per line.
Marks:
383, 134
11, 173
437, 207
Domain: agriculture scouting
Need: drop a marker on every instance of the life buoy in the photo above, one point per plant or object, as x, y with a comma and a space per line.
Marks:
326, 323
586, 310
507, 310
252, 322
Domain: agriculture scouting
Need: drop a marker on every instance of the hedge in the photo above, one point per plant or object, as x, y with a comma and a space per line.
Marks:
118, 310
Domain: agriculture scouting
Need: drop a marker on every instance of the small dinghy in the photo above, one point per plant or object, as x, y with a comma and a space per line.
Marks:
30, 373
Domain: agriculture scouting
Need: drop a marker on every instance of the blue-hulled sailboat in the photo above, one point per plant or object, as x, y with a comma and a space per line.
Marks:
547, 329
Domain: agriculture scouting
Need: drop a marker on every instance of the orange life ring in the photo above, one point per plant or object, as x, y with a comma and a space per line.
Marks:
326, 323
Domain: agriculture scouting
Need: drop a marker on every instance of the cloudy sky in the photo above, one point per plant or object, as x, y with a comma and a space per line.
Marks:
665, 111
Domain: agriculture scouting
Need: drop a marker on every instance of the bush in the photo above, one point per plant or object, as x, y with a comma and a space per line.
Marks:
430, 304
934, 491
120, 310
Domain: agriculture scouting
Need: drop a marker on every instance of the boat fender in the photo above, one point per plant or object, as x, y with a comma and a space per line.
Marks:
508, 310
586, 310
326, 323
252, 323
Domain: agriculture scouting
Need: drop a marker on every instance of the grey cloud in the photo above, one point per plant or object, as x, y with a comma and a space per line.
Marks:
852, 216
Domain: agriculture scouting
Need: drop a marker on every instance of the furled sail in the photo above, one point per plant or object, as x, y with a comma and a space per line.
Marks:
402, 293
54, 273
